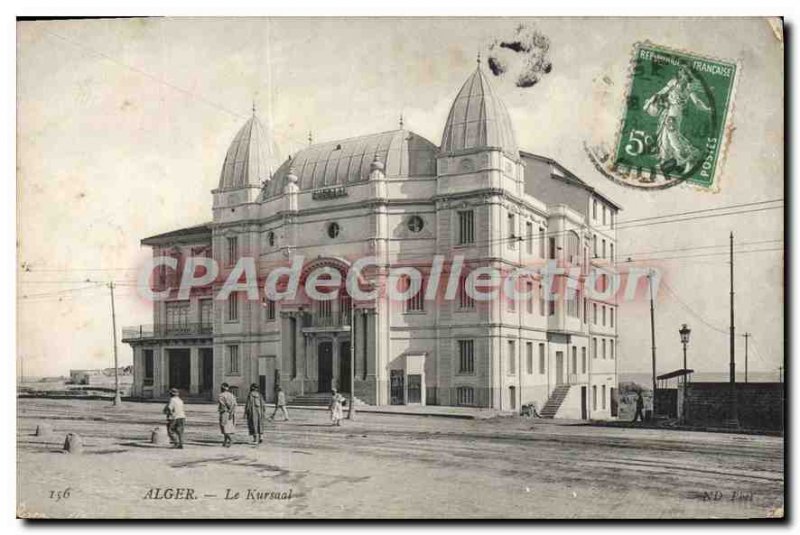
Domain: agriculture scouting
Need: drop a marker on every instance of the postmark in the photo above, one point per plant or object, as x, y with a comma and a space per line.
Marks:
676, 121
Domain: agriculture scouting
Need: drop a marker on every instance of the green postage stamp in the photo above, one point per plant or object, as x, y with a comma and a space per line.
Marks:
675, 124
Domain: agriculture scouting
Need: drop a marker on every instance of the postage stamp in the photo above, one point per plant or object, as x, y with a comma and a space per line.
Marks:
676, 120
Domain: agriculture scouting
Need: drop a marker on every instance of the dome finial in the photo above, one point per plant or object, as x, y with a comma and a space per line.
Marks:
401, 120
310, 138
479, 57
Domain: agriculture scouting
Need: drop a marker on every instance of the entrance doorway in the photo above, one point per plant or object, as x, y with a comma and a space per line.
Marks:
206, 385
344, 366
397, 383
512, 395
559, 367
583, 403
614, 403
414, 388
324, 366
179, 370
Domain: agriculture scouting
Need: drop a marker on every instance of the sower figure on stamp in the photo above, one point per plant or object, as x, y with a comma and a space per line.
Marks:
176, 418
227, 414
255, 411
639, 407
280, 403
336, 407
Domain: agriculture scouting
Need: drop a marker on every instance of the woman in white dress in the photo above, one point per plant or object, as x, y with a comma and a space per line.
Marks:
336, 407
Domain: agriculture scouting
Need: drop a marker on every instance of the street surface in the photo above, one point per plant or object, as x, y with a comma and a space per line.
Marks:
386, 466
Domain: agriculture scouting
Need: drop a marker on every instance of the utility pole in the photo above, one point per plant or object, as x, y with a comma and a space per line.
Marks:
351, 410
117, 399
734, 402
652, 336
746, 336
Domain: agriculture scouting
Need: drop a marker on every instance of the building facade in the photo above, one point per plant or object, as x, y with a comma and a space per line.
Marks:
399, 199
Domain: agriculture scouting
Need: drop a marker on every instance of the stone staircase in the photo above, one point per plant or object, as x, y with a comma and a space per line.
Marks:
554, 401
318, 399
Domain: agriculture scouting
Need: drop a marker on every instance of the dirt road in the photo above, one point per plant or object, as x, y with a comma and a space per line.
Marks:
387, 466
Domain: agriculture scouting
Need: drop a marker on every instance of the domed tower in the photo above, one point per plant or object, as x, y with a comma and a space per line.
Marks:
248, 166
478, 136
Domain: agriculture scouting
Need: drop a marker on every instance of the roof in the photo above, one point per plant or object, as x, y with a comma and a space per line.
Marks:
190, 234
250, 157
570, 177
478, 118
676, 373
347, 161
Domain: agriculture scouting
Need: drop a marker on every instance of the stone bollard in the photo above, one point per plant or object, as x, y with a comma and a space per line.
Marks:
44, 430
159, 436
73, 443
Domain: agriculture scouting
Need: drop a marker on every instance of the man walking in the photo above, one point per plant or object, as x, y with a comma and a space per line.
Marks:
639, 408
254, 411
227, 414
280, 403
176, 418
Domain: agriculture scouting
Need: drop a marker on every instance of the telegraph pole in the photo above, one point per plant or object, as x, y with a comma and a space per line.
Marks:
652, 335
117, 399
746, 336
734, 401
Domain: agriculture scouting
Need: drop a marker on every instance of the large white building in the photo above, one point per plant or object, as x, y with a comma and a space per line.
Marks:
398, 197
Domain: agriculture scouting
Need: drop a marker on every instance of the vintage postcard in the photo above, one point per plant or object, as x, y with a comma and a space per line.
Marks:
400, 268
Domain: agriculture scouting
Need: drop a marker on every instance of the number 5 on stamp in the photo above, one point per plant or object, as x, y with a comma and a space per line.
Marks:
677, 115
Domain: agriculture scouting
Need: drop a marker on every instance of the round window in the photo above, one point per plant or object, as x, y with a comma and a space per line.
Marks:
271, 238
333, 230
415, 223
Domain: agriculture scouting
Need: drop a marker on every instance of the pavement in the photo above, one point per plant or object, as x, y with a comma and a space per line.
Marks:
386, 466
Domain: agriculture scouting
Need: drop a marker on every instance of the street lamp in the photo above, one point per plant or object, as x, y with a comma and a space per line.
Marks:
684, 331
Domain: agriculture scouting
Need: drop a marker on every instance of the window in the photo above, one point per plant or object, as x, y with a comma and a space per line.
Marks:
529, 357
512, 357
416, 302
604, 348
464, 299
206, 314
269, 304
177, 313
551, 242
604, 248
465, 395
611, 252
594, 246
529, 236
594, 348
572, 305
271, 239
594, 313
466, 227
233, 307
148, 367
466, 356
233, 360
542, 367
612, 316
594, 398
551, 307
583, 359
233, 250
574, 359
415, 223
604, 214
531, 296
611, 218
604, 315
333, 230
573, 247
585, 310
541, 242
603, 397
512, 230
594, 208
541, 299
611, 349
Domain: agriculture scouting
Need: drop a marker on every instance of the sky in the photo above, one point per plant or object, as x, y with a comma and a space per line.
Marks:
123, 126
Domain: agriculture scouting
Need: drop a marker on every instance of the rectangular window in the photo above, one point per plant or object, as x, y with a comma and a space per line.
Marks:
531, 296
177, 313
416, 302
512, 231
512, 357
551, 307
466, 227
233, 307
541, 299
552, 248
529, 236
233, 250
464, 299
233, 360
583, 360
611, 253
594, 245
466, 356
148, 367
594, 398
612, 316
611, 218
542, 367
594, 348
594, 209
604, 248
603, 397
604, 214
611, 349
269, 304
604, 315
541, 242
465, 395
572, 305
574, 359
604, 348
585, 310
594, 313
206, 314
529, 357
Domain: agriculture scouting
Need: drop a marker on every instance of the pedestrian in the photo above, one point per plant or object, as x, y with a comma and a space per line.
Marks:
336, 408
227, 414
639, 407
176, 418
280, 403
255, 411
